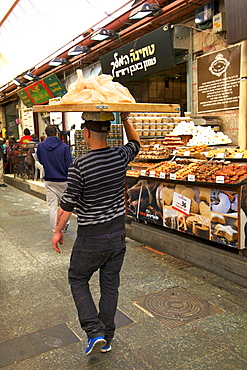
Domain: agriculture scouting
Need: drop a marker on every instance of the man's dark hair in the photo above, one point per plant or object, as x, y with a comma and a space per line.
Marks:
51, 130
26, 131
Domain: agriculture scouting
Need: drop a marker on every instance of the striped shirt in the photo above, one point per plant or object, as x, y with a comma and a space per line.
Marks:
96, 183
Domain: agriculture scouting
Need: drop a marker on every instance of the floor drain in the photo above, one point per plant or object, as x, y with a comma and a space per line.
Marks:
176, 306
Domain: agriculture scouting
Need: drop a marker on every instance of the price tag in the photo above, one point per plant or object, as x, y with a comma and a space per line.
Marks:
172, 176
220, 155
143, 172
238, 155
162, 175
220, 179
191, 178
156, 146
152, 174
187, 153
181, 203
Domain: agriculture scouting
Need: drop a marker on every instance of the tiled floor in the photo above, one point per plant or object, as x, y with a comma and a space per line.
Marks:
39, 327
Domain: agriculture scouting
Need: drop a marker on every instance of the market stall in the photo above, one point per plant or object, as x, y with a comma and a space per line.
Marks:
199, 192
201, 197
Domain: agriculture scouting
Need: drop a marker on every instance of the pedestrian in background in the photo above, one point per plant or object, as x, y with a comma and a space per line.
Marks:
2, 141
55, 157
26, 138
96, 183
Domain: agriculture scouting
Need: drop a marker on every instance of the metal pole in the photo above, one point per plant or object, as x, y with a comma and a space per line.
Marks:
242, 129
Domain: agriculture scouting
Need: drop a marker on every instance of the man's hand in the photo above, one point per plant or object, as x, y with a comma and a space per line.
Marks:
57, 238
124, 115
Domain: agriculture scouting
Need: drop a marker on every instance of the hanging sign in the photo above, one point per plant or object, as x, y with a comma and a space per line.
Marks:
146, 55
41, 91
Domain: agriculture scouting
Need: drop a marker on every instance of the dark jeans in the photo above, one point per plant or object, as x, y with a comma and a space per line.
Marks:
90, 253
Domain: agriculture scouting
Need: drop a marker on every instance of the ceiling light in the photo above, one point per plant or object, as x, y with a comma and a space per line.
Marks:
103, 34
76, 50
18, 82
144, 10
57, 61
29, 76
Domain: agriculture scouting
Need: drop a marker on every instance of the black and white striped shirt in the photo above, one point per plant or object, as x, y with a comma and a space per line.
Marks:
96, 183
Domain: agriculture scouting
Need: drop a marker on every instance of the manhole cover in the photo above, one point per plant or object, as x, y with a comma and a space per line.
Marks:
175, 306
24, 212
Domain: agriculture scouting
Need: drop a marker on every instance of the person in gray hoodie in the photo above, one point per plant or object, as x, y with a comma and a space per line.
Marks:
55, 157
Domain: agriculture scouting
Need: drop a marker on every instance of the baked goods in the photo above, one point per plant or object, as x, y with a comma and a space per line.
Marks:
204, 209
194, 208
223, 204
218, 218
204, 195
96, 89
227, 232
189, 193
167, 195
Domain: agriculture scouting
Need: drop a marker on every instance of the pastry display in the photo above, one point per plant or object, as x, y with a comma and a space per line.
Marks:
192, 150
153, 152
166, 167
172, 142
133, 173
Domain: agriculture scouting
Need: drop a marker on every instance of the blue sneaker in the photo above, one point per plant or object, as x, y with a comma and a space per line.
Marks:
105, 349
95, 344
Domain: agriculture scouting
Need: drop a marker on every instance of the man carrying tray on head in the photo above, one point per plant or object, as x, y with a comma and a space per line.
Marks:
96, 183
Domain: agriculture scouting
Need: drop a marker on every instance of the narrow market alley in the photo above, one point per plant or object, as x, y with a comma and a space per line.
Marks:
171, 314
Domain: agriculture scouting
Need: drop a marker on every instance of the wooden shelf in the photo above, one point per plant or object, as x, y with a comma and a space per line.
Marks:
109, 107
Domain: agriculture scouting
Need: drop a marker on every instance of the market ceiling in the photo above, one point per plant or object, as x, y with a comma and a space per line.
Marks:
171, 11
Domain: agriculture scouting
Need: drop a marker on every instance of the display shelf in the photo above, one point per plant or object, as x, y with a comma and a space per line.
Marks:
108, 107
211, 211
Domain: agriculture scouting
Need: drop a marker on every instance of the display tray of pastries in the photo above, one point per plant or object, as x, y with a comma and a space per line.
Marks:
192, 150
229, 153
209, 172
133, 173
153, 153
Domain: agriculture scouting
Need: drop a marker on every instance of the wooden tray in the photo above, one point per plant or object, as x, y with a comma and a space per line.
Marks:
109, 107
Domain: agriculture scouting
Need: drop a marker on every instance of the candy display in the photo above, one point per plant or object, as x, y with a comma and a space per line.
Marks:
200, 134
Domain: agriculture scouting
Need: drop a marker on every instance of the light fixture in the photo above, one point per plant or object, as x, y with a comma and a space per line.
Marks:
144, 10
18, 82
57, 61
76, 50
29, 76
103, 34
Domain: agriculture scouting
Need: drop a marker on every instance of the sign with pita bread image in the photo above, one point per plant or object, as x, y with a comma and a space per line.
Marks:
218, 78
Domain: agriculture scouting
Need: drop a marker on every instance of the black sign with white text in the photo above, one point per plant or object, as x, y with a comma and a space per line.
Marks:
146, 55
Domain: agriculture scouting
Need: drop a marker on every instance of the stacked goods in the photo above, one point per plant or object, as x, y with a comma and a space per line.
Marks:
200, 134
133, 173
143, 165
152, 152
153, 124
172, 142
96, 89
193, 150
